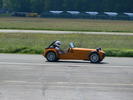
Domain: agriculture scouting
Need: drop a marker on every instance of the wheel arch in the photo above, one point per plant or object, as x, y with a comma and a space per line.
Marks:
51, 51
93, 52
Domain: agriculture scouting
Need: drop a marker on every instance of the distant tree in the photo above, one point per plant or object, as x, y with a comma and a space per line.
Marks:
1, 3
37, 5
80, 5
24, 5
10, 4
69, 5
47, 5
17, 5
56, 4
123, 5
83, 5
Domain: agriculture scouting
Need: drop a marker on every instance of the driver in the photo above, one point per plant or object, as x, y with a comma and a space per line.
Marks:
57, 45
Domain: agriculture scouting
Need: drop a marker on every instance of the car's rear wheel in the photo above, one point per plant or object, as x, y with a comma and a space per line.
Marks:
51, 57
94, 57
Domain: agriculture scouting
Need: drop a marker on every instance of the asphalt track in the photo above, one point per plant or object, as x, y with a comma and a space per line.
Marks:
30, 77
61, 32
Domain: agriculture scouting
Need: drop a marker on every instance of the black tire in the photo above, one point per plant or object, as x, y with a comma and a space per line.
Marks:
94, 57
51, 57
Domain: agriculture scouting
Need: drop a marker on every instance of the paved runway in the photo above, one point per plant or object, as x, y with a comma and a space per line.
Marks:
30, 77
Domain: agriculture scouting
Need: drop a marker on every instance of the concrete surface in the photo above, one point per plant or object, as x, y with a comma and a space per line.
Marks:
30, 77
61, 32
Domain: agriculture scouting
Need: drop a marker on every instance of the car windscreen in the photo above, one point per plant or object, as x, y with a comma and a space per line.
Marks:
71, 45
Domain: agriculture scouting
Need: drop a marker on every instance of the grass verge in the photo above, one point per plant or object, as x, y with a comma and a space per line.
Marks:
66, 24
29, 43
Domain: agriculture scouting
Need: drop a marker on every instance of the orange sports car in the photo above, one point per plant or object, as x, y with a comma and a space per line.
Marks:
73, 53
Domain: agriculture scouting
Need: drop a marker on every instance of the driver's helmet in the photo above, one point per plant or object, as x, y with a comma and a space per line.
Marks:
57, 43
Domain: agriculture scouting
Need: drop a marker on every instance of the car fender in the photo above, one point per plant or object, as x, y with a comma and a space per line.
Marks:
55, 51
93, 52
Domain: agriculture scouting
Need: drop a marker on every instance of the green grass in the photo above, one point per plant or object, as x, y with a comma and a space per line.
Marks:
5, 15
35, 43
66, 24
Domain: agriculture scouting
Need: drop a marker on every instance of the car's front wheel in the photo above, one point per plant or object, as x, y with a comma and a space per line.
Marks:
94, 57
51, 57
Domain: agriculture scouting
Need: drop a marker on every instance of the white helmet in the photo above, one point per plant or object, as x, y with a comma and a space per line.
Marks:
57, 43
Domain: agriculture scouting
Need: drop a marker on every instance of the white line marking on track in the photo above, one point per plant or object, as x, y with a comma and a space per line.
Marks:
68, 83
61, 32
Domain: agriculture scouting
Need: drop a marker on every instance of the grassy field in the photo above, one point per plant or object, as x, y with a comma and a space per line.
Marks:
35, 43
66, 24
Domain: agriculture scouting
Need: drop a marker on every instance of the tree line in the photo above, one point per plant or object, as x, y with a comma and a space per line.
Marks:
65, 5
